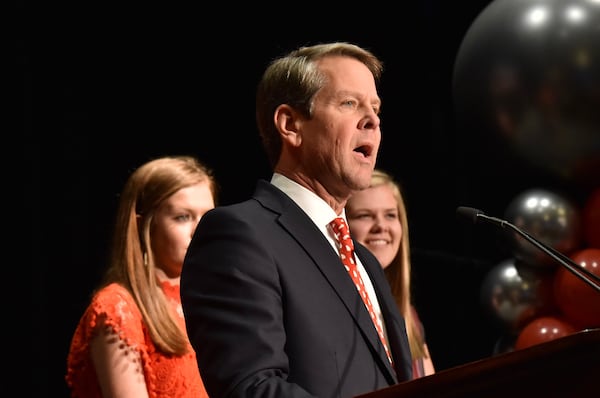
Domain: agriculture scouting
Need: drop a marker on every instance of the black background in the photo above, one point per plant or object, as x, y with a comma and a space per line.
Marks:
108, 88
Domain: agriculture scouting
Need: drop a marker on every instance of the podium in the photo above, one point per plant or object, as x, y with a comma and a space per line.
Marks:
565, 367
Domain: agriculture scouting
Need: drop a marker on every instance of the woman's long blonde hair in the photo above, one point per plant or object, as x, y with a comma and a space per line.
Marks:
398, 273
131, 262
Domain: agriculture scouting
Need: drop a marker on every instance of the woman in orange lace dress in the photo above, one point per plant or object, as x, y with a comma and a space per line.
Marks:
131, 341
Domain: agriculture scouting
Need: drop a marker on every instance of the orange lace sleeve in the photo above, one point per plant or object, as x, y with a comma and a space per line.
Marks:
111, 308
114, 312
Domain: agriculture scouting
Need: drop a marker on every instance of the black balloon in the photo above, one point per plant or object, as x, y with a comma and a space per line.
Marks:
527, 75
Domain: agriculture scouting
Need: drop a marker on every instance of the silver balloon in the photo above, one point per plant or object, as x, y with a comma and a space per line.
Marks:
513, 294
505, 343
550, 218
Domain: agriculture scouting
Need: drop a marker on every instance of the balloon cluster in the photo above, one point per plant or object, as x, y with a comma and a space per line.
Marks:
527, 77
533, 297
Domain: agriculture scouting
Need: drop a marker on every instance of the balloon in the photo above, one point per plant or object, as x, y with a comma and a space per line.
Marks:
579, 302
591, 218
548, 217
527, 77
514, 294
543, 329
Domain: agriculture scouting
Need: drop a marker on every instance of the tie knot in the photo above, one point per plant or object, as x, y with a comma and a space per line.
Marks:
340, 228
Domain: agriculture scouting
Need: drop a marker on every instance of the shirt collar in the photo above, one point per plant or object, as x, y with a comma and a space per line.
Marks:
316, 208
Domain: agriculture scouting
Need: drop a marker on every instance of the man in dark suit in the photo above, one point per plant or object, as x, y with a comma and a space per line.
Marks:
269, 307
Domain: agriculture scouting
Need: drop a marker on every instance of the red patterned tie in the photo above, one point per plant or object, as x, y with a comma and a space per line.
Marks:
346, 248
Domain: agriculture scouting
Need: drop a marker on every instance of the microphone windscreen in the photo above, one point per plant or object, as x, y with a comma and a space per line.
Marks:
469, 212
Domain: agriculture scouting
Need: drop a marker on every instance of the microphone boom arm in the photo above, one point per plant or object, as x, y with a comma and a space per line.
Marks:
585, 275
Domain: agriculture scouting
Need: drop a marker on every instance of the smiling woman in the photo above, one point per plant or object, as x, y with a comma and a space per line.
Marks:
378, 220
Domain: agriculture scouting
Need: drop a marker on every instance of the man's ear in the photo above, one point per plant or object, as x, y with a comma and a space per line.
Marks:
288, 122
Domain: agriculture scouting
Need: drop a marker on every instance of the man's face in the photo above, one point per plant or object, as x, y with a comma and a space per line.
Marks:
341, 140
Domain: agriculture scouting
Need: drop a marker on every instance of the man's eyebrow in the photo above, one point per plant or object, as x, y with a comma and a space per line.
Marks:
346, 93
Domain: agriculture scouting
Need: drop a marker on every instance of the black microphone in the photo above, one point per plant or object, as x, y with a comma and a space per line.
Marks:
476, 215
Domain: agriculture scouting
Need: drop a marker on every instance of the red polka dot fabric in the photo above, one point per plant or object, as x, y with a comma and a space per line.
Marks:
346, 249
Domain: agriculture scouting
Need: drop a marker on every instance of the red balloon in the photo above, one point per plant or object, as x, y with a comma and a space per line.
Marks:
542, 330
578, 301
591, 219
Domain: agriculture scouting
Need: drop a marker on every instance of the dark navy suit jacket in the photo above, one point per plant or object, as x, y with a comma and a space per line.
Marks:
271, 312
